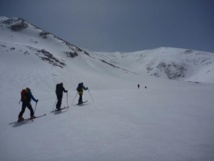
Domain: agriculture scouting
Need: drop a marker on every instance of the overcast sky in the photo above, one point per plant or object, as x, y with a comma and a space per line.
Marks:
121, 25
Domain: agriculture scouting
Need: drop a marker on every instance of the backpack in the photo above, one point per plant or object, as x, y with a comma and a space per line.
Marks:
80, 87
58, 88
24, 95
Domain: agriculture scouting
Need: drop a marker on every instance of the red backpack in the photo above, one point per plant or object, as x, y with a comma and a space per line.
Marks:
24, 95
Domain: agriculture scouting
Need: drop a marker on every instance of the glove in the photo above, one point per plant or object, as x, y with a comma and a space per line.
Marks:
66, 91
37, 101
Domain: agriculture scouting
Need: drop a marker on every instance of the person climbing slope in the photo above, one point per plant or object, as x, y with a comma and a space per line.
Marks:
26, 97
80, 89
59, 94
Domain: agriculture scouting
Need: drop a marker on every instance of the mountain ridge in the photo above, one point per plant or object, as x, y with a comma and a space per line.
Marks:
18, 35
19, 24
167, 62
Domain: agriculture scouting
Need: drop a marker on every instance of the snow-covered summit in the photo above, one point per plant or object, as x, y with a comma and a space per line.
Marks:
3, 18
31, 54
22, 38
19, 31
167, 62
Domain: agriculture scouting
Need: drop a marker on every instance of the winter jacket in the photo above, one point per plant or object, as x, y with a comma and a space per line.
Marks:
29, 97
80, 88
60, 89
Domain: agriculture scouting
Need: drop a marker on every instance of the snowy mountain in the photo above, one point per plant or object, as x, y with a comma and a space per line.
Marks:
164, 120
23, 45
19, 36
168, 63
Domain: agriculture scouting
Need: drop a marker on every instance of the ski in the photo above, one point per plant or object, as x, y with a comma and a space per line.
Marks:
28, 119
79, 104
37, 116
60, 109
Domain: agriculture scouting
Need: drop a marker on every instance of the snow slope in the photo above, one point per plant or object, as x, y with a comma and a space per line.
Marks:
168, 63
167, 121
59, 58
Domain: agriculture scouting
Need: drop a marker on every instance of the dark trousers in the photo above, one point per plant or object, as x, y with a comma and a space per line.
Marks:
80, 98
28, 105
59, 102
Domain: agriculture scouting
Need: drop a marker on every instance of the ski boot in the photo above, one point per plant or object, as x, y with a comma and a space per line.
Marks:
32, 117
20, 119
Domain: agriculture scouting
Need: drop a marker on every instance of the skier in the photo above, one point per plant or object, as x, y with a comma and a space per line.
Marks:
59, 94
26, 97
80, 89
138, 86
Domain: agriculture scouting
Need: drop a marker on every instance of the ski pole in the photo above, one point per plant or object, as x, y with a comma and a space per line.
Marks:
35, 108
74, 99
54, 104
67, 99
90, 95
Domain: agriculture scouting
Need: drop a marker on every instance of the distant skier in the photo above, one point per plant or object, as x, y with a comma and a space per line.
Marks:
26, 97
138, 86
59, 94
80, 89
